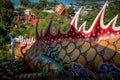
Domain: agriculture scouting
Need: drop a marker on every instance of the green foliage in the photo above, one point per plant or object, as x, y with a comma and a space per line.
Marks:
70, 11
39, 14
112, 10
6, 8
89, 18
61, 21
43, 4
21, 10
95, 6
21, 29
25, 3
52, 4
58, 22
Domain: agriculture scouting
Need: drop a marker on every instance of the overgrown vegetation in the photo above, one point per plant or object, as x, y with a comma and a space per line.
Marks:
58, 21
6, 9
112, 10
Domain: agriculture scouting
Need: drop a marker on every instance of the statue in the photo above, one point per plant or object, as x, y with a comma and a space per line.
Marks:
12, 44
75, 54
78, 50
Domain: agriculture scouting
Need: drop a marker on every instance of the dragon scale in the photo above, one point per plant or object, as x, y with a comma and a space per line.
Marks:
93, 48
75, 54
87, 53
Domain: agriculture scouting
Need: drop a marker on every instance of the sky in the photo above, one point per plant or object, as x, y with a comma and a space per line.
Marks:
65, 2
17, 2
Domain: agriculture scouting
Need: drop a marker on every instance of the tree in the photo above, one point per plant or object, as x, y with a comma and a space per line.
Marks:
55, 2
79, 2
110, 13
95, 6
25, 3
6, 9
43, 3
113, 10
70, 10
21, 10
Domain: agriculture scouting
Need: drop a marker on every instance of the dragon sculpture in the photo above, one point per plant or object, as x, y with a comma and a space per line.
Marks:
76, 53
22, 44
